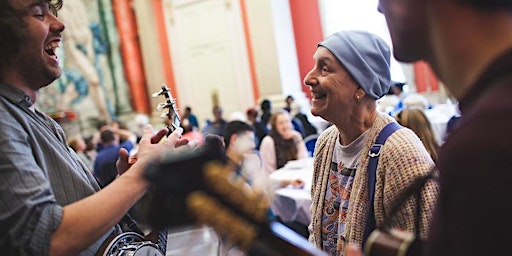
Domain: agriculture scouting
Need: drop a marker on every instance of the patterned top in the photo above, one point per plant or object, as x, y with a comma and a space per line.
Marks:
403, 159
39, 174
339, 187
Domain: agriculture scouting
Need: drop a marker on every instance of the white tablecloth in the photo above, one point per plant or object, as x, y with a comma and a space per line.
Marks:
439, 116
192, 241
292, 204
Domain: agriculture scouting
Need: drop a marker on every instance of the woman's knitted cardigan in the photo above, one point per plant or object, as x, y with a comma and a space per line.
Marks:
403, 158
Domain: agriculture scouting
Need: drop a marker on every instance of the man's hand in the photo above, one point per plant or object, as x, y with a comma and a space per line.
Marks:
152, 146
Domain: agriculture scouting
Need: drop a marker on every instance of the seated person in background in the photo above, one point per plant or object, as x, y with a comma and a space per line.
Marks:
119, 128
282, 144
187, 114
260, 130
241, 154
416, 120
240, 150
105, 169
217, 126
390, 103
351, 72
90, 149
288, 103
290, 107
397, 88
266, 112
195, 137
77, 143
307, 128
239, 142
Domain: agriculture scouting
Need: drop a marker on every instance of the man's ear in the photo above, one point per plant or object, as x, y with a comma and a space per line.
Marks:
233, 138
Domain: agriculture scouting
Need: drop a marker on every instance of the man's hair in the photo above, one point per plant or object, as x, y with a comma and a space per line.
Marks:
235, 127
12, 26
490, 5
266, 105
107, 136
252, 112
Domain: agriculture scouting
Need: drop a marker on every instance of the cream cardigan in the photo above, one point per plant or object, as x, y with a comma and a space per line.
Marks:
403, 158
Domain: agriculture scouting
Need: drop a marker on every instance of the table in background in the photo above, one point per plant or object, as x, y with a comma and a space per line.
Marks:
292, 204
439, 116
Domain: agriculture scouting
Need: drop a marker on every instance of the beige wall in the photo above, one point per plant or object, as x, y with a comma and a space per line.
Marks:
209, 55
151, 53
261, 26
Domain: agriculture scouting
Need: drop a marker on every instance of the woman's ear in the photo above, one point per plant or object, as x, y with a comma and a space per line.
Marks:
360, 93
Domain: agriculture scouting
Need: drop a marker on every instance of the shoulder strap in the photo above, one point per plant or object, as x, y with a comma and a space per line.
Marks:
374, 154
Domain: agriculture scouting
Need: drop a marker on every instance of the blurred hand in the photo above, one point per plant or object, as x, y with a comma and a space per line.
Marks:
353, 250
298, 183
151, 148
288, 134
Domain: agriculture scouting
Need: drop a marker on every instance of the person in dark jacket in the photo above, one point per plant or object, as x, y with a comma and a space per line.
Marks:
468, 44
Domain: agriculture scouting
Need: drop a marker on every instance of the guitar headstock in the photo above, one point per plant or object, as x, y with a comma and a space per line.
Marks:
170, 104
200, 187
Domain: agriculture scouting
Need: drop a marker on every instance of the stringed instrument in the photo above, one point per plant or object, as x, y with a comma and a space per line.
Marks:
133, 243
199, 187
172, 115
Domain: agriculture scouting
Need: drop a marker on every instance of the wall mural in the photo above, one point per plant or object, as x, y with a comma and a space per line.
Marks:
92, 87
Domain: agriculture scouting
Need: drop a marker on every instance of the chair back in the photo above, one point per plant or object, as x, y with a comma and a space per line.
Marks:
310, 142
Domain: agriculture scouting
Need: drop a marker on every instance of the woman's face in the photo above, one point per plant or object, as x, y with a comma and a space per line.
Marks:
284, 125
80, 144
333, 90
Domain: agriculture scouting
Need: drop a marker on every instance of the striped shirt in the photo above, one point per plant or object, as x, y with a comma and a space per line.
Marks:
39, 174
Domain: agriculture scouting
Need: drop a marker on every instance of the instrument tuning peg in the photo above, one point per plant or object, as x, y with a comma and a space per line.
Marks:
162, 105
162, 91
156, 94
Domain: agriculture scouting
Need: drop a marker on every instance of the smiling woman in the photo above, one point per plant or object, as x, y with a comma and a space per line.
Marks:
351, 72
282, 144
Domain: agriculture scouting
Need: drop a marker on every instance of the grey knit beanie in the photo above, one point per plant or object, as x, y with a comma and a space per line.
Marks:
366, 58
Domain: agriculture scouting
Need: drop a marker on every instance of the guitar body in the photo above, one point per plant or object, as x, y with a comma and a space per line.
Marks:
197, 187
174, 179
130, 244
392, 242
